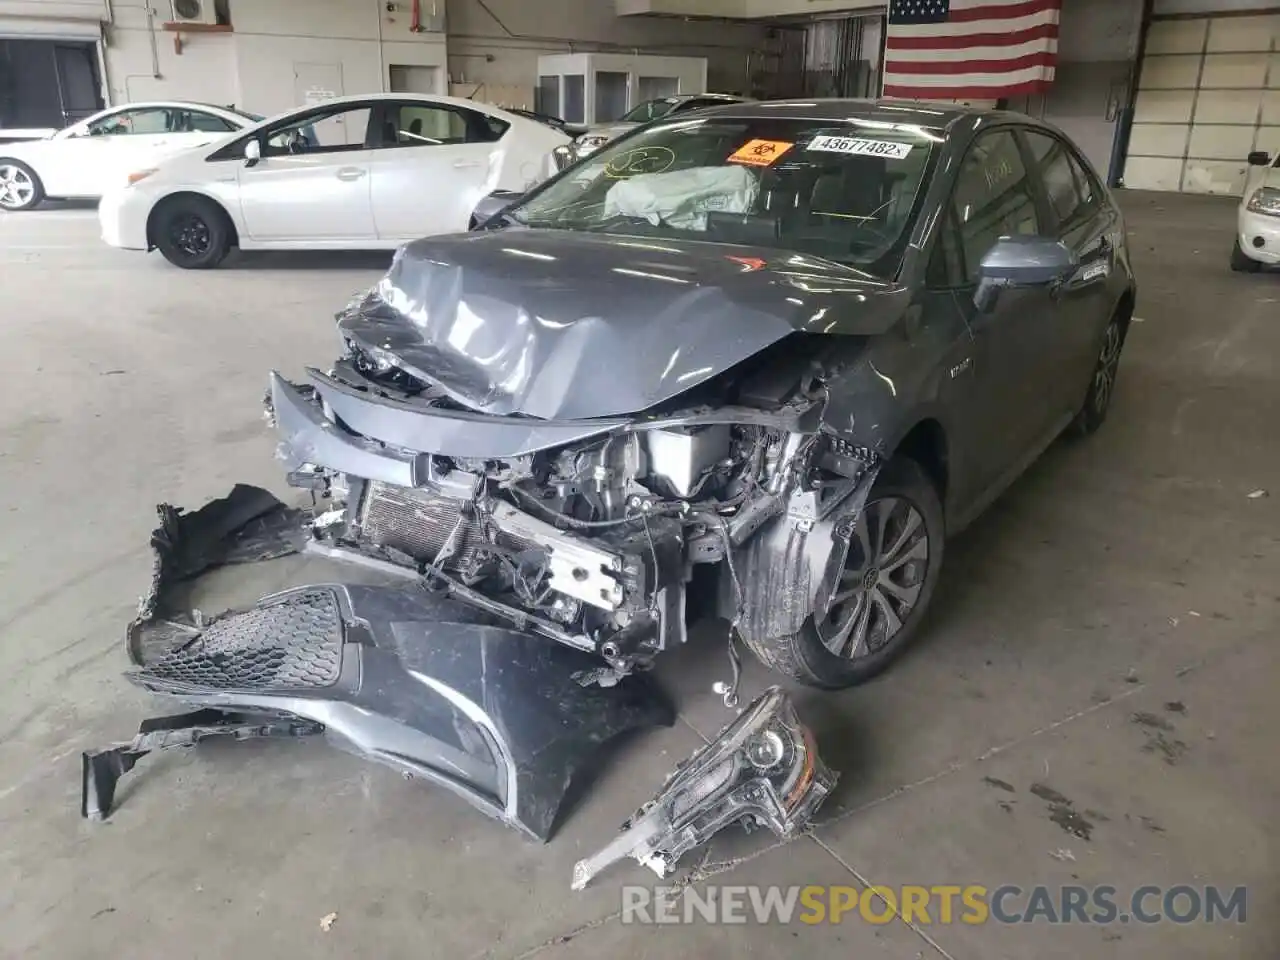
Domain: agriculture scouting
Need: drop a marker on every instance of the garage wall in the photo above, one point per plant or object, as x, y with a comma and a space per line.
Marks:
1097, 46
500, 46
1208, 94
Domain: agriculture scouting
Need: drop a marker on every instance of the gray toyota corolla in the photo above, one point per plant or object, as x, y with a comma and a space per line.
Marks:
758, 363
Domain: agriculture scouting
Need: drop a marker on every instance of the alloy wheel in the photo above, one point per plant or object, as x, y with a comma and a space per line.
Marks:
16, 187
882, 579
190, 234
1104, 377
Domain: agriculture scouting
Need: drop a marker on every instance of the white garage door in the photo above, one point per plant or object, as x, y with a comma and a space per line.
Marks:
1208, 94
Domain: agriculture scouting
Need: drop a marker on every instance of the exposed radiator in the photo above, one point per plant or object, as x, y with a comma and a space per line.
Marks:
418, 522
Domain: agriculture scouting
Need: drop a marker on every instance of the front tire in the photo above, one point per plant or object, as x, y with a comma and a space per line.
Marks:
1242, 262
193, 233
895, 557
20, 187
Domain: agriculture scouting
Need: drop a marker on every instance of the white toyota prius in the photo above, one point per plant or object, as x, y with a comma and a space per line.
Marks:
361, 172
89, 158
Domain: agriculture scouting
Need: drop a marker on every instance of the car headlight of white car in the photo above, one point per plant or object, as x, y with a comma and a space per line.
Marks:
589, 144
1265, 200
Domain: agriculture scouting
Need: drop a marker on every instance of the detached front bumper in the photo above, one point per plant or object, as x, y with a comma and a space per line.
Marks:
422, 683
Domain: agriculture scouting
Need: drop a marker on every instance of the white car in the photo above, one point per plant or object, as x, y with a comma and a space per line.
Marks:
91, 157
1258, 221
364, 172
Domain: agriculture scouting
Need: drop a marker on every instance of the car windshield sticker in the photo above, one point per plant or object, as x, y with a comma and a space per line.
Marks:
760, 153
857, 146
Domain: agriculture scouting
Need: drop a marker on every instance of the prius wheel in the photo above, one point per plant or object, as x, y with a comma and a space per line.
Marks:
20, 188
192, 233
1102, 386
894, 558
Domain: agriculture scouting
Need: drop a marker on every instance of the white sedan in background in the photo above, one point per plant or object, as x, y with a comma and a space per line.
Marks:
89, 158
363, 172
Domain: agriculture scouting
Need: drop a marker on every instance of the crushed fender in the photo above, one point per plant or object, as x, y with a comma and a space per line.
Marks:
762, 770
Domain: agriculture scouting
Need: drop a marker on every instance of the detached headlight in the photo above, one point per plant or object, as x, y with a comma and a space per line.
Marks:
763, 769
1265, 200
140, 175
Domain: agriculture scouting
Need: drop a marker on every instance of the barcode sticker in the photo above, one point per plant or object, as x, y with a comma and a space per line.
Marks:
858, 146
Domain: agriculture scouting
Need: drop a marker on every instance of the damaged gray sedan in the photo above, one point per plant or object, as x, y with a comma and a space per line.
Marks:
755, 364
759, 363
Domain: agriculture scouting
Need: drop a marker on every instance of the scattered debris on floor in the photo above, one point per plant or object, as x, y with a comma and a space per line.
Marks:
762, 770
327, 921
999, 784
1258, 494
1063, 855
1176, 706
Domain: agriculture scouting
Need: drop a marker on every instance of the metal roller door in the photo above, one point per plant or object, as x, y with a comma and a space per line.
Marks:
1208, 94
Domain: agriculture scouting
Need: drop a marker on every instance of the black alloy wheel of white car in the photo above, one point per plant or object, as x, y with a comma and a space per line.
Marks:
192, 232
20, 188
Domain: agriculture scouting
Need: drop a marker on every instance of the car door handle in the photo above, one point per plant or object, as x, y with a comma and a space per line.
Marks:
351, 173
465, 164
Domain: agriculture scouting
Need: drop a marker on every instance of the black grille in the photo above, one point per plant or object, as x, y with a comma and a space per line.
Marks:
292, 642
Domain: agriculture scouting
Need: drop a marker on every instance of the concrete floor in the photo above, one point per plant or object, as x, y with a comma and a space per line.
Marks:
1123, 576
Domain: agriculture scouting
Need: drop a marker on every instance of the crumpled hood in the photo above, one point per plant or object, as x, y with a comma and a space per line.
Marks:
565, 325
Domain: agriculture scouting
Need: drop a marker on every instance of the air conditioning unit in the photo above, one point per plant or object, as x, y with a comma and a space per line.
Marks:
194, 11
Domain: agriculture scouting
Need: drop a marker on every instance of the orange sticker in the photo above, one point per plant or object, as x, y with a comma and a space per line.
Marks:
760, 153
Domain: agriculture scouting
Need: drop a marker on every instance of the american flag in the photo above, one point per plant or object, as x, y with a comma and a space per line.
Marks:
970, 49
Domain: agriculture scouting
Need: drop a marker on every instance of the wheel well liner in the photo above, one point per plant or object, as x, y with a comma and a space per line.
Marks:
1124, 309
187, 195
926, 444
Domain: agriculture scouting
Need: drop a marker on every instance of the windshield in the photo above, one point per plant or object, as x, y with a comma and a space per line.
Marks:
649, 110
845, 190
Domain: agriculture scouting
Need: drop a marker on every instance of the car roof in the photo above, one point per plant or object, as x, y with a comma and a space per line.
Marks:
167, 104
924, 113
726, 97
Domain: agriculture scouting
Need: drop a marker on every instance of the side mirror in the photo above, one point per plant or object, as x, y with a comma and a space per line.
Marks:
493, 205
1259, 158
252, 152
1022, 262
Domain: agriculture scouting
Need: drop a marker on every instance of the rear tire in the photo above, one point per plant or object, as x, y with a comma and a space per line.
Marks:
20, 187
192, 232
1103, 384
1242, 262
895, 557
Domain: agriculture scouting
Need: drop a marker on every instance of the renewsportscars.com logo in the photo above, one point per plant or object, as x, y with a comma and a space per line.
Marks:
940, 904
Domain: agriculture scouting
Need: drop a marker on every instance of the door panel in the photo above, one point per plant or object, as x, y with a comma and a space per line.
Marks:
320, 197
1011, 406
435, 165
313, 181
1086, 223
102, 154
